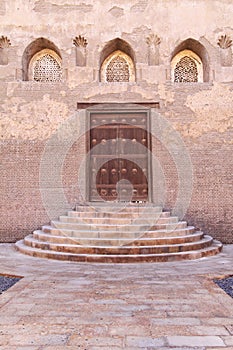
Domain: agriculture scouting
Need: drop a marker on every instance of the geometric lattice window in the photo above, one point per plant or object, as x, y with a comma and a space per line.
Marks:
187, 67
118, 67
45, 66
117, 70
186, 71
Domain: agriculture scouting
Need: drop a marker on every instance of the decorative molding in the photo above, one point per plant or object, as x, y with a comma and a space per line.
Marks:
4, 45
80, 44
4, 42
224, 42
153, 40
80, 41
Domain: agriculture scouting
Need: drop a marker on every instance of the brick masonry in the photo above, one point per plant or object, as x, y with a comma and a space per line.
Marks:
31, 113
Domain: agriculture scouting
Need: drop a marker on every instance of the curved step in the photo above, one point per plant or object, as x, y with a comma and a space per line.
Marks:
118, 250
112, 207
123, 215
98, 258
41, 236
117, 227
117, 234
119, 221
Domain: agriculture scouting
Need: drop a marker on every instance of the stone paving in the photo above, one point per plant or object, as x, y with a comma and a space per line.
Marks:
64, 305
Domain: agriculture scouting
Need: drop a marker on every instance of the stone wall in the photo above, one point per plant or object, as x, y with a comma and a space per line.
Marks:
32, 112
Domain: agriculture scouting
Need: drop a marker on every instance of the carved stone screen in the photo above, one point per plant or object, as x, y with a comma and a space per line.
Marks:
117, 70
186, 71
47, 69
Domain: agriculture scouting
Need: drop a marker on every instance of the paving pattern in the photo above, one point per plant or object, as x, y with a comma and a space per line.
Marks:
66, 305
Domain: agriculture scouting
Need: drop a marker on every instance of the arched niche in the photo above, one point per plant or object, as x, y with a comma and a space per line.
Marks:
34, 48
117, 53
186, 66
192, 50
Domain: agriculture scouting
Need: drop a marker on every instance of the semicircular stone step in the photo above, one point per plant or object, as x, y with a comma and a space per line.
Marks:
214, 249
97, 214
118, 209
118, 234
118, 250
40, 235
119, 221
117, 227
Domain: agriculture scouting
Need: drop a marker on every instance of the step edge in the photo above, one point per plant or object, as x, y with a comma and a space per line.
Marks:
207, 239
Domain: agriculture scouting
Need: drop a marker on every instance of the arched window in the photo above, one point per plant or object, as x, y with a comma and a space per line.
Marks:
42, 61
190, 62
117, 67
45, 66
187, 67
117, 62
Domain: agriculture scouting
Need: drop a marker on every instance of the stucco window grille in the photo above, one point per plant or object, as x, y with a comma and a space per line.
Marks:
186, 71
45, 66
186, 67
118, 67
47, 69
117, 70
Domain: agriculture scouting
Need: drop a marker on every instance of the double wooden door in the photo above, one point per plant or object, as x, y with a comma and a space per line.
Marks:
118, 145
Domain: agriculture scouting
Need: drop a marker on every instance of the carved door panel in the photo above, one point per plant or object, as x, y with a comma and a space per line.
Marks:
118, 157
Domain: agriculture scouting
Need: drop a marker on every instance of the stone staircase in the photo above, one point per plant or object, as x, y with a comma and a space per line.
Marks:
118, 233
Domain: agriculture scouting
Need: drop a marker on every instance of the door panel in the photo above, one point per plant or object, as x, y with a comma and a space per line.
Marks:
118, 157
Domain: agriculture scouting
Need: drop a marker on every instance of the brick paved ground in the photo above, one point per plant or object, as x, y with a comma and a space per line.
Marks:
64, 305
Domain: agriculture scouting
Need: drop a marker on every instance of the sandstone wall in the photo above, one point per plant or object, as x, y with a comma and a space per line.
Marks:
31, 112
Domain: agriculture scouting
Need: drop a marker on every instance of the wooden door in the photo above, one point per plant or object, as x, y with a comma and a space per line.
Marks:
118, 166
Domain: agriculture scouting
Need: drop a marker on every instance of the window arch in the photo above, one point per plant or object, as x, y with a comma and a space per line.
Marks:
190, 62
45, 66
42, 55
117, 62
117, 67
187, 67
